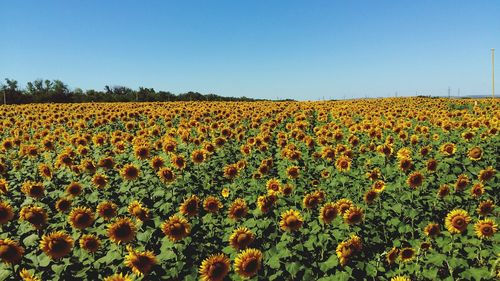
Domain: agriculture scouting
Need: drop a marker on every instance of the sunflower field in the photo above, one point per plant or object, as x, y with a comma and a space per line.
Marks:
373, 189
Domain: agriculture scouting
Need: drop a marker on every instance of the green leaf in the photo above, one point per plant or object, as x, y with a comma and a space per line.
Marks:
479, 273
43, 260
274, 262
293, 268
4, 274
330, 263
371, 270
30, 240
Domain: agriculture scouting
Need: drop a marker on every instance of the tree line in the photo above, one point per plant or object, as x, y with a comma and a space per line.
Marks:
55, 91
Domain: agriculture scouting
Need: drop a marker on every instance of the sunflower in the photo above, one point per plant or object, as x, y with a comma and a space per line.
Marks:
346, 249
273, 185
485, 228
343, 163
122, 230
63, 205
27, 276
45, 171
130, 172
215, 268
6, 213
266, 202
343, 205
74, 189
4, 186
457, 220
291, 220
56, 244
199, 156
81, 217
400, 278
328, 213
241, 238
407, 254
33, 189
432, 230
136, 209
10, 251
178, 162
374, 174
166, 175
415, 180
311, 201
118, 277
431, 165
176, 228
106, 162
485, 207
191, 206
370, 196
35, 215
107, 210
404, 153
157, 162
392, 255
248, 263
238, 209
328, 153
99, 180
225, 192
462, 182
477, 190
425, 246
142, 151
141, 263
230, 171
354, 215
405, 164
90, 243
286, 189
443, 190
378, 186
293, 172
486, 174
448, 149
212, 204
475, 153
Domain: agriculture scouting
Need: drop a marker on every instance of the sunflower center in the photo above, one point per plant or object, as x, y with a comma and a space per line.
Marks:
58, 246
243, 239
90, 244
7, 252
123, 231
329, 213
292, 222
143, 263
251, 265
459, 222
35, 218
407, 254
355, 217
3, 213
82, 219
176, 228
216, 270
486, 230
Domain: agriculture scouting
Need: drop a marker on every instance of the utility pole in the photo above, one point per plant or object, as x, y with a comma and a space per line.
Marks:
4, 98
492, 73
449, 92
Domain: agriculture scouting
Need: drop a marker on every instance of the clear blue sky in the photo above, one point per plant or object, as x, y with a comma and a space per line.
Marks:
255, 48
